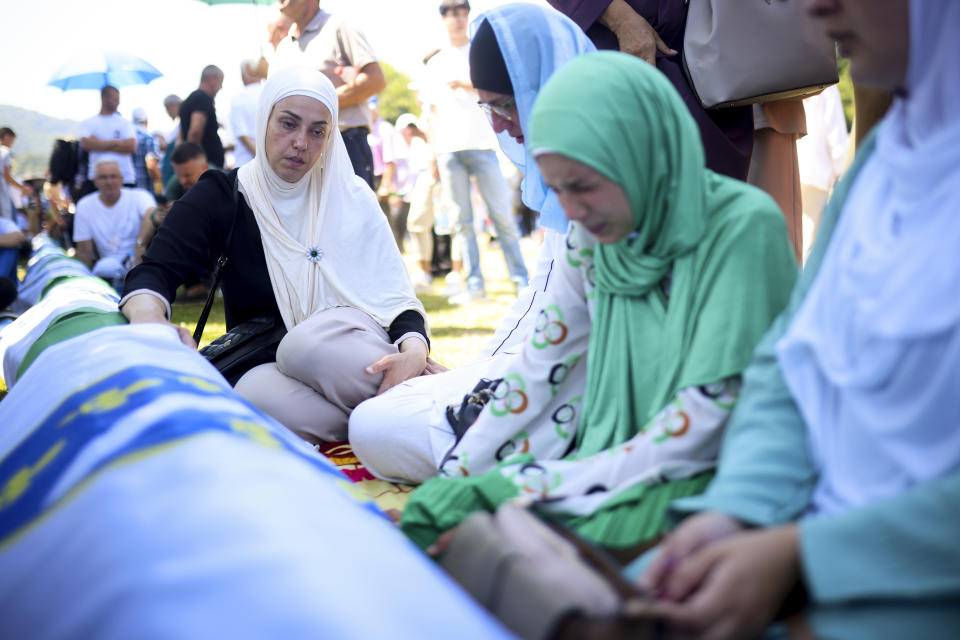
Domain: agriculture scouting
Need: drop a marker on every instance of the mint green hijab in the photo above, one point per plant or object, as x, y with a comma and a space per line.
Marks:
683, 301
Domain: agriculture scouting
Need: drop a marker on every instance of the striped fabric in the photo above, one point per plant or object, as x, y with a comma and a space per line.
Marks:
141, 496
74, 293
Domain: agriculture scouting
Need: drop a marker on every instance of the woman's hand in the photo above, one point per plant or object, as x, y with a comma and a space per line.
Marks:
736, 585
398, 367
433, 367
634, 33
692, 535
442, 543
147, 308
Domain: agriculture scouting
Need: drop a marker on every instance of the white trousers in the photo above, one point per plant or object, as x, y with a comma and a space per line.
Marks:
403, 434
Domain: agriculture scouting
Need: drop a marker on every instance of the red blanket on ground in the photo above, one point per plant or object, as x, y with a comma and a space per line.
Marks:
387, 495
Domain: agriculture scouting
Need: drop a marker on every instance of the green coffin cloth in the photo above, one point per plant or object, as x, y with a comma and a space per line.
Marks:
61, 279
70, 325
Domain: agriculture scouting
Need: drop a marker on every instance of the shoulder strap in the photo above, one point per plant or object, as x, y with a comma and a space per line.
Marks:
221, 263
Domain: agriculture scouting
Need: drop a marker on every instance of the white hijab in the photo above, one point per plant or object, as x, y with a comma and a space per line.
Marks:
534, 41
326, 240
873, 355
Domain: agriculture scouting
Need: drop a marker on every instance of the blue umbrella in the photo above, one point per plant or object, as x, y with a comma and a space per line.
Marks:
96, 69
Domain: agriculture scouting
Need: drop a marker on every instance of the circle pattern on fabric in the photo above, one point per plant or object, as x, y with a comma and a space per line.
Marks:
509, 396
550, 329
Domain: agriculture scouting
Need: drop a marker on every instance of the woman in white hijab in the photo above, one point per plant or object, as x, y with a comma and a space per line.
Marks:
839, 478
309, 244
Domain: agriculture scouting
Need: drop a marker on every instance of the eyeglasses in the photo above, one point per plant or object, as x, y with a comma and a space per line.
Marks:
504, 110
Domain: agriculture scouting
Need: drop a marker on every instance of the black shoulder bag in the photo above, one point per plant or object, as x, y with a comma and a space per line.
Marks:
248, 344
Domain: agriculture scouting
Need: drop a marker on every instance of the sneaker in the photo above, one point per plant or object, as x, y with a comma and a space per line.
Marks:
519, 284
468, 296
422, 283
454, 284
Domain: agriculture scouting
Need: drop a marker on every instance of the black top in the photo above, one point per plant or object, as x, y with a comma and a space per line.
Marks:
191, 239
727, 134
488, 69
200, 101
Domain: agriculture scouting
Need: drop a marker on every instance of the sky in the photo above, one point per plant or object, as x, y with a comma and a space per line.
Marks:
179, 38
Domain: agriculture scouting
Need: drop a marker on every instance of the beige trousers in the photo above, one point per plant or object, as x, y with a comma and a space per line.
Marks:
319, 375
420, 220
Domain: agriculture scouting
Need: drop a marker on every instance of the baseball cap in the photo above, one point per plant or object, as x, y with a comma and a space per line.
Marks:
139, 115
453, 4
406, 120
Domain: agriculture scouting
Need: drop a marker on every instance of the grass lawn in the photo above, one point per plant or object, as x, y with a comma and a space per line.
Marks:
457, 333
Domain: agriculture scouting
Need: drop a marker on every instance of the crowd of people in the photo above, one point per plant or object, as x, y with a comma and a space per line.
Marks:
769, 416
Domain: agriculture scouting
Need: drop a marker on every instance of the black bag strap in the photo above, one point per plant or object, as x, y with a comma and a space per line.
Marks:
221, 263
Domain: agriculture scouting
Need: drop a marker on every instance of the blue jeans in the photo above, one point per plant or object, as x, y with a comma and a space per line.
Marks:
455, 171
8, 263
361, 157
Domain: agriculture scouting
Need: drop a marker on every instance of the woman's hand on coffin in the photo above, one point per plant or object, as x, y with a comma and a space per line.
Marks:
692, 535
732, 588
148, 308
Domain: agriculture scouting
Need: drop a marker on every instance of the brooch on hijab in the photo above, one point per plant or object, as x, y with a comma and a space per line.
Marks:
314, 254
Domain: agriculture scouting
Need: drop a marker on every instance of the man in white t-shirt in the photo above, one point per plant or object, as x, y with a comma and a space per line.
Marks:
327, 43
7, 180
243, 113
464, 144
106, 224
108, 136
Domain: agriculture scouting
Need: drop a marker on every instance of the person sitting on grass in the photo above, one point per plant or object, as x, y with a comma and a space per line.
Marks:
107, 221
294, 217
671, 275
189, 163
403, 435
839, 478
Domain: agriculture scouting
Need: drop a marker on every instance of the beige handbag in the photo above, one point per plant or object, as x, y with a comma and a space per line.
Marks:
541, 581
738, 52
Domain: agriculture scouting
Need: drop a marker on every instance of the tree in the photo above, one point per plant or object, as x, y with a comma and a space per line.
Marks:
845, 86
397, 98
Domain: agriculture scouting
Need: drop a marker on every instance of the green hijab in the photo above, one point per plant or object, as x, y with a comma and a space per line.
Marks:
682, 301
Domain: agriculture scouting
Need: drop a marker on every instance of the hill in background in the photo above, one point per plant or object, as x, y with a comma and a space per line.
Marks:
36, 134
